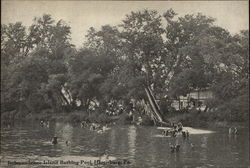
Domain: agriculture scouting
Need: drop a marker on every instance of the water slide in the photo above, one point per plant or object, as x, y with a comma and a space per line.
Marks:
154, 106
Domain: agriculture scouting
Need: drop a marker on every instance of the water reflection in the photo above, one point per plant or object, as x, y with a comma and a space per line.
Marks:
139, 145
112, 139
132, 142
204, 147
66, 133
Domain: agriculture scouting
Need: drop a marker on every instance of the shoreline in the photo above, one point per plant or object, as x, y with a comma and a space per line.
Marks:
77, 117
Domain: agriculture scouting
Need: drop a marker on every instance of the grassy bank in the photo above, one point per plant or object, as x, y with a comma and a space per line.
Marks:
74, 117
192, 119
205, 120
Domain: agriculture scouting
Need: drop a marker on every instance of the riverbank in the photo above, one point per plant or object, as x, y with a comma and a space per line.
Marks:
77, 117
205, 120
192, 119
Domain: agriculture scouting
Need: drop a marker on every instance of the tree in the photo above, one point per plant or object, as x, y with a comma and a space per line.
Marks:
88, 71
35, 63
143, 43
195, 42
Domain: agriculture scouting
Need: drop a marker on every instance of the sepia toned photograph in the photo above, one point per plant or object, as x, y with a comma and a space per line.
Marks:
130, 84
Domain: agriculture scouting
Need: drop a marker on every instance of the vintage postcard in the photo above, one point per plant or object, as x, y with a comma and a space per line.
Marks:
135, 84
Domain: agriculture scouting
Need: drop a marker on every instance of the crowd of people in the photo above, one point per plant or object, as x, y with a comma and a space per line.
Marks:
94, 127
173, 132
44, 123
233, 130
91, 126
114, 110
176, 128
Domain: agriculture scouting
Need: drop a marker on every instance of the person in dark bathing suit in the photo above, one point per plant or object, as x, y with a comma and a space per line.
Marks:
174, 148
54, 140
179, 127
185, 134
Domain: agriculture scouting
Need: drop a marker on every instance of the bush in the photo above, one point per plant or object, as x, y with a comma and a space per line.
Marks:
165, 106
235, 110
124, 118
77, 116
103, 118
146, 120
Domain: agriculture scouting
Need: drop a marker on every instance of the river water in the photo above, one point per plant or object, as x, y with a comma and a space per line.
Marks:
29, 145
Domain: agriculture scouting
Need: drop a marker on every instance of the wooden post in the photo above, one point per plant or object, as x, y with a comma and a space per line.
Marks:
198, 98
179, 103
198, 94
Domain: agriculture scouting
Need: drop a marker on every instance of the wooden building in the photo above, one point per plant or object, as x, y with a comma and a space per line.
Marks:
195, 98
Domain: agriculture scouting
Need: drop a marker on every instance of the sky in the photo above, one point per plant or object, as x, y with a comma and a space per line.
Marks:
81, 15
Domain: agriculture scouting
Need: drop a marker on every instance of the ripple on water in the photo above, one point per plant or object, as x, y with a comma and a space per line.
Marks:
140, 145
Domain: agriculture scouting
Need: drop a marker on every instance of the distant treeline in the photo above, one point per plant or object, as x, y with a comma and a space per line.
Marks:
42, 70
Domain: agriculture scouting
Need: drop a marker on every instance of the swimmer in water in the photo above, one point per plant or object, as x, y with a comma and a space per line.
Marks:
187, 133
41, 123
67, 143
235, 130
54, 140
179, 127
172, 148
177, 147
183, 134
192, 146
47, 124
230, 130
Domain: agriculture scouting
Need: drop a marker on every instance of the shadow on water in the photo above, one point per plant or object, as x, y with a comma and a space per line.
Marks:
141, 146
